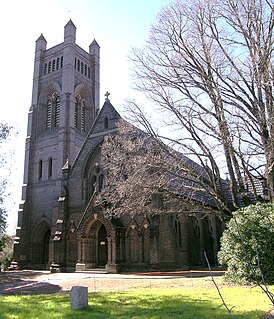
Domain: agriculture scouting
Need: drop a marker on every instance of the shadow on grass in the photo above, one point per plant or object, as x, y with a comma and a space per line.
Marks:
117, 305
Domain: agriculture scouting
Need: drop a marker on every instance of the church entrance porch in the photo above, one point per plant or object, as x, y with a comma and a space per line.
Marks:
96, 244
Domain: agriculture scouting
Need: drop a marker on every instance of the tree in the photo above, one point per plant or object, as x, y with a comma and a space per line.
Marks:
5, 131
6, 251
207, 68
247, 245
145, 176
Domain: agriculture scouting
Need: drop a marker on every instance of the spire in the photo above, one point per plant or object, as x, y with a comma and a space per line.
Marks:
70, 23
94, 48
41, 38
94, 43
41, 43
70, 32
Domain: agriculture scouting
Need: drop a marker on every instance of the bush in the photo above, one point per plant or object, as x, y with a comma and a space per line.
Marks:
6, 251
247, 245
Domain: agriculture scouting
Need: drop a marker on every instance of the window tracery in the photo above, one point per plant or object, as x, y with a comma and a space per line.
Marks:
96, 181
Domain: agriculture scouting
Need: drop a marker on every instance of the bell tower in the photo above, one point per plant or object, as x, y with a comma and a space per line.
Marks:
65, 102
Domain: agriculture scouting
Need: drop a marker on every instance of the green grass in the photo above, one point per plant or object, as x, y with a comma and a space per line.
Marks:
142, 304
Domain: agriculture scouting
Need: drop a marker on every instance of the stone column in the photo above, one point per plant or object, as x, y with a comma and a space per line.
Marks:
80, 266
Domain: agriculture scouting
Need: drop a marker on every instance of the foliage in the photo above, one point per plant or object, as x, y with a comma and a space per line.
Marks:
146, 303
247, 245
5, 132
207, 70
6, 251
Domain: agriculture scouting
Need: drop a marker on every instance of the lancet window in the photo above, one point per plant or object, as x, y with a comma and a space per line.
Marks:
53, 112
79, 113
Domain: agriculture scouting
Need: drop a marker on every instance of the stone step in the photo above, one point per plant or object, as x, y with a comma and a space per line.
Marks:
93, 271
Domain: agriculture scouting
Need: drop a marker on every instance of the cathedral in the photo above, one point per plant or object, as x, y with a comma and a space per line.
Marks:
59, 225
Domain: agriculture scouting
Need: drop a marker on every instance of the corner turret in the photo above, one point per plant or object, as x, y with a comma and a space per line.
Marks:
41, 43
94, 51
70, 32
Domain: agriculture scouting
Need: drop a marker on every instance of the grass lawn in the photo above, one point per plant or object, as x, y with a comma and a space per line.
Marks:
171, 303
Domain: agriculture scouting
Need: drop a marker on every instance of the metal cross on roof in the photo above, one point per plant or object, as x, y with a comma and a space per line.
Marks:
107, 95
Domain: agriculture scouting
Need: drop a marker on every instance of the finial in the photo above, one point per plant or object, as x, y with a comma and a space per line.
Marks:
107, 95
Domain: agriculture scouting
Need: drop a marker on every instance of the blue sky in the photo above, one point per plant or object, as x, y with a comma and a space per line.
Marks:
117, 25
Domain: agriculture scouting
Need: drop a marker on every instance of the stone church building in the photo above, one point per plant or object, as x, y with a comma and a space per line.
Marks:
59, 226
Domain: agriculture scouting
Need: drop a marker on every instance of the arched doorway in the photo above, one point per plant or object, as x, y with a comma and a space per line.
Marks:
40, 245
46, 247
102, 246
97, 244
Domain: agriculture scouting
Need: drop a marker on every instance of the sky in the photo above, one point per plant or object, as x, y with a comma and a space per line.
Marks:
117, 25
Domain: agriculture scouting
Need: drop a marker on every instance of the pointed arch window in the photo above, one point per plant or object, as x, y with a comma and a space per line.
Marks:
76, 111
40, 169
49, 110
178, 232
106, 122
45, 68
57, 110
53, 112
49, 67
50, 167
58, 63
83, 116
79, 113
101, 182
96, 181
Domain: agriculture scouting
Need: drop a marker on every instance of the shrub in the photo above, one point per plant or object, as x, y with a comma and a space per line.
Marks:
247, 245
6, 251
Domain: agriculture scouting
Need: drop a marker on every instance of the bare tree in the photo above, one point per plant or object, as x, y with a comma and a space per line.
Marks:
144, 175
208, 68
